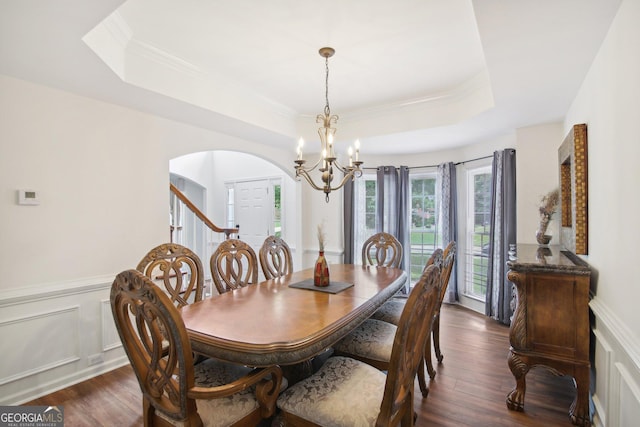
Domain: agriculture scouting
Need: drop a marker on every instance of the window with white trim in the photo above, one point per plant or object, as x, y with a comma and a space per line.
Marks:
478, 229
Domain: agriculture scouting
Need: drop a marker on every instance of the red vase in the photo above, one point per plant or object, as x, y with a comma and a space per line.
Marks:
321, 272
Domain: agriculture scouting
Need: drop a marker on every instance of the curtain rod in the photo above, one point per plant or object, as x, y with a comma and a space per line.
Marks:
435, 166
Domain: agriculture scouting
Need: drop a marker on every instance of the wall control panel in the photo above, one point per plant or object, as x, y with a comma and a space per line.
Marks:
28, 197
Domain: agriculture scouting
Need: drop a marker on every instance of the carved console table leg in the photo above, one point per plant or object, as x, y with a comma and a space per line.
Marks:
519, 369
579, 411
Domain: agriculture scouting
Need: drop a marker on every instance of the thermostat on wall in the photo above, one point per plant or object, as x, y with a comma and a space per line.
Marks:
28, 197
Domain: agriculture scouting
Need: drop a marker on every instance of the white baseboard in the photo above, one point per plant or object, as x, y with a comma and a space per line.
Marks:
35, 392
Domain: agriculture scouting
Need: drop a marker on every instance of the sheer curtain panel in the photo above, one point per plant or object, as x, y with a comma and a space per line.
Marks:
448, 218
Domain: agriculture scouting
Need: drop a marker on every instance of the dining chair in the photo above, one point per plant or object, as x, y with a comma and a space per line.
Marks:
233, 265
275, 258
447, 268
348, 392
174, 390
372, 341
382, 249
391, 310
178, 269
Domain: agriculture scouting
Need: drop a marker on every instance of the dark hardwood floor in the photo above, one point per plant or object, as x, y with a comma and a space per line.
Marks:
469, 390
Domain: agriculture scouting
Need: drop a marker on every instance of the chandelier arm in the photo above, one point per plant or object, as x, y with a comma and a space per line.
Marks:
311, 168
343, 169
346, 178
303, 173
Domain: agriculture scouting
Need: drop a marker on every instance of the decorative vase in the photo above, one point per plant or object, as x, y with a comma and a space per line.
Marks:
321, 272
542, 238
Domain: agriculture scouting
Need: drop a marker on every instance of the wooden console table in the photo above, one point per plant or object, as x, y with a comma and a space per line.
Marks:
550, 325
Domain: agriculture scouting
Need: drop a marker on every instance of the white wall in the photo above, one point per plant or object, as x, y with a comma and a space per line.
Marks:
608, 103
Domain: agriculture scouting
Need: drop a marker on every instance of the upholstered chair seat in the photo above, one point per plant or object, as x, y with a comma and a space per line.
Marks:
391, 310
328, 397
225, 411
372, 341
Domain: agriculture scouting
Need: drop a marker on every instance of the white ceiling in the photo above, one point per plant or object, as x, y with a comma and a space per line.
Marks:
408, 76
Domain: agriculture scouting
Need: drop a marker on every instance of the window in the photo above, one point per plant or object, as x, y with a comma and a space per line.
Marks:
478, 228
230, 206
277, 211
365, 212
424, 231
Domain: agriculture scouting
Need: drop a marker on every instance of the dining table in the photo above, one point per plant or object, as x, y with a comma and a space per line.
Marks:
287, 320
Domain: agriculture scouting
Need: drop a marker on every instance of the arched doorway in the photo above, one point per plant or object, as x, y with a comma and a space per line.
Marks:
239, 189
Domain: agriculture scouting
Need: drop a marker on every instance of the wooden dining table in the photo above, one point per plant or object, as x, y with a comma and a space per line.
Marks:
272, 323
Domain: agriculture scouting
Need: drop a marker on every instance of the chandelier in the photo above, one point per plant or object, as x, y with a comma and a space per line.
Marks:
328, 162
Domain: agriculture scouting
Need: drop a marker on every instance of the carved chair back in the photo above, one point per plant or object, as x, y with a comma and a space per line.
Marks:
275, 258
382, 249
233, 265
449, 258
413, 330
178, 269
155, 340
144, 315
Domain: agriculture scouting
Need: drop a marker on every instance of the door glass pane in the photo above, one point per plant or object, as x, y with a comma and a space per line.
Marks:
478, 229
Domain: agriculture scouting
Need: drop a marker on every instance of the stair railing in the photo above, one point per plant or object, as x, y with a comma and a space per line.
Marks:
201, 216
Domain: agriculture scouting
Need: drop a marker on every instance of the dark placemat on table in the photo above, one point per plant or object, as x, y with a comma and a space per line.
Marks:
333, 288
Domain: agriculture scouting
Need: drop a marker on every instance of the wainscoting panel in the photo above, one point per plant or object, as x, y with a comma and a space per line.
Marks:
629, 393
602, 366
110, 337
56, 335
617, 370
55, 343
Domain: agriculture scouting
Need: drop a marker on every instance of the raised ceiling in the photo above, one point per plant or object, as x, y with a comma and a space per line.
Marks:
408, 76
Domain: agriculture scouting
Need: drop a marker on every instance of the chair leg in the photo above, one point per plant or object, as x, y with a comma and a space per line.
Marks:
436, 338
427, 358
422, 381
148, 413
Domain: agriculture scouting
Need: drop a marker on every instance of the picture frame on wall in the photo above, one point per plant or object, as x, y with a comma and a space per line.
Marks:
574, 191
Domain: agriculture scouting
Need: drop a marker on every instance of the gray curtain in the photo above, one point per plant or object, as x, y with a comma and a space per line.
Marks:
392, 214
503, 232
448, 216
348, 221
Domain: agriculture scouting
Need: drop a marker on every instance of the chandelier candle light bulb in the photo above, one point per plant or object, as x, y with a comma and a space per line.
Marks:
300, 144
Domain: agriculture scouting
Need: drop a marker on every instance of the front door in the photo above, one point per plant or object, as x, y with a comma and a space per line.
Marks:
253, 211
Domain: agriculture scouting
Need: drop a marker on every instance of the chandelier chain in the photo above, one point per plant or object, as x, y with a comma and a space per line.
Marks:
327, 110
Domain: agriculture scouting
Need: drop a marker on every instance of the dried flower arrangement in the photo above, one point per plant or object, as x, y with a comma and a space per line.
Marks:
321, 237
549, 203
548, 206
